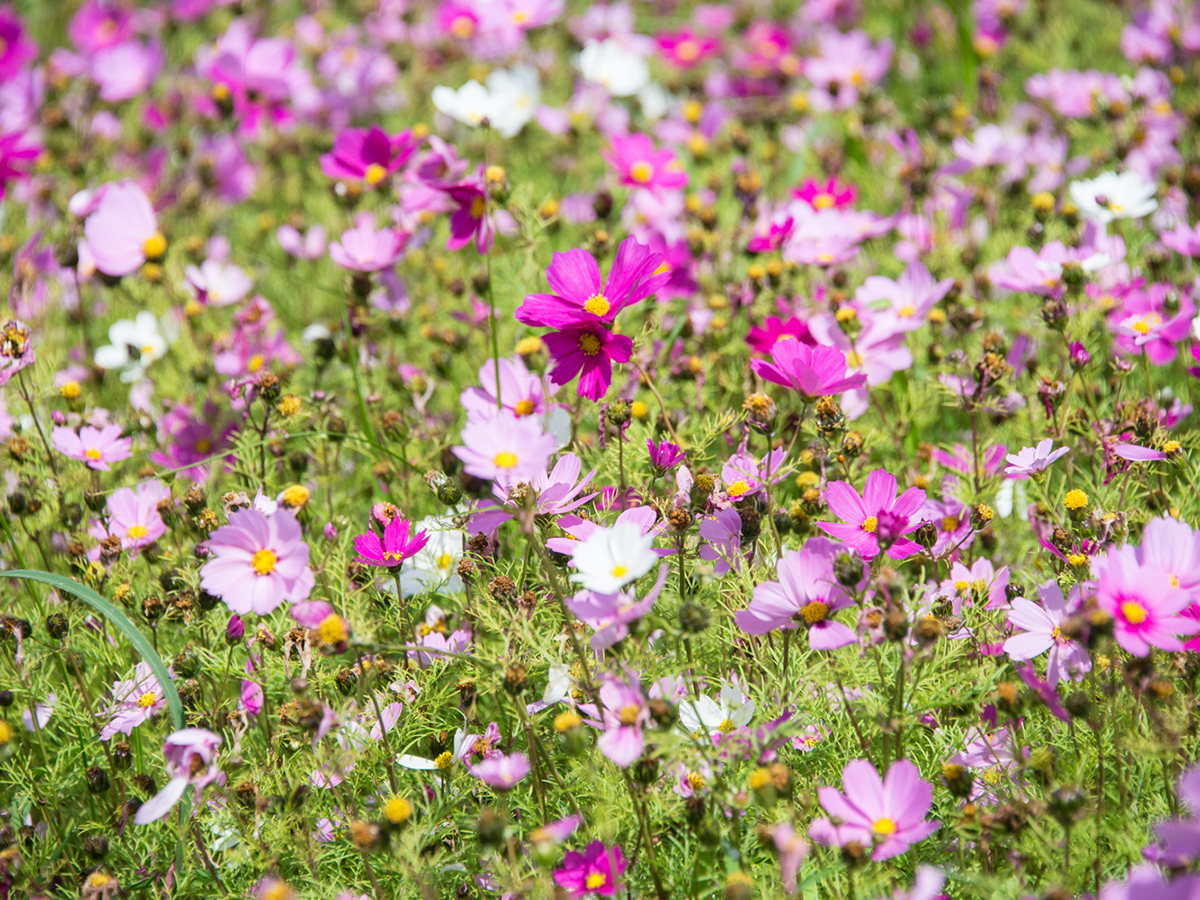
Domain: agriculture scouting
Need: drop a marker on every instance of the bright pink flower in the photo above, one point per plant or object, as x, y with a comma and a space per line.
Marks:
367, 154
806, 594
625, 715
365, 249
1145, 322
762, 338
829, 195
123, 231
97, 447
640, 165
18, 150
471, 218
887, 815
597, 870
814, 371
581, 297
99, 24
258, 562
587, 350
877, 519
1142, 601
16, 49
395, 547
686, 49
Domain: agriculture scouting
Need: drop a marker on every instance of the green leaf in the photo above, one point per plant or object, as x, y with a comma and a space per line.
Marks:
122, 624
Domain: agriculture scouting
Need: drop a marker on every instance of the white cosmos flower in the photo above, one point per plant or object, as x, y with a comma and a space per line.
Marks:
135, 343
436, 564
1114, 196
469, 104
621, 71
514, 94
612, 557
733, 710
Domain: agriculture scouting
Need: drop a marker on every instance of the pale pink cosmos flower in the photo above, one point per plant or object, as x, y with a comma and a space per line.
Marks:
625, 715
134, 702
365, 249
218, 283
127, 70
1040, 631
123, 231
500, 771
98, 447
505, 449
887, 815
909, 299
310, 245
559, 492
609, 615
191, 760
1142, 601
1032, 460
133, 517
522, 392
258, 562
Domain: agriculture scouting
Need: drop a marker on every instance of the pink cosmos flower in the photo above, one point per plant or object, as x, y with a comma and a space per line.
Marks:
580, 296
127, 70
369, 155
909, 299
97, 447
98, 24
310, 245
218, 283
845, 63
123, 231
807, 594
505, 449
876, 520
394, 548
1040, 631
686, 49
499, 771
887, 815
134, 702
1172, 546
1183, 239
16, 49
829, 195
793, 850
191, 759
597, 870
1031, 460
644, 517
471, 218
640, 165
1144, 322
18, 150
258, 562
625, 715
609, 615
365, 249
587, 350
521, 391
559, 492
761, 338
1142, 601
722, 536
818, 371
133, 517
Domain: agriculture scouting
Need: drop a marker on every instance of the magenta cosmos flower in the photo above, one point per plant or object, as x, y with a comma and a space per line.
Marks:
594, 871
98, 447
367, 154
16, 49
394, 548
470, 219
887, 814
829, 195
364, 249
1143, 602
876, 518
579, 295
258, 562
639, 164
685, 49
191, 755
588, 351
123, 231
807, 594
17, 153
814, 371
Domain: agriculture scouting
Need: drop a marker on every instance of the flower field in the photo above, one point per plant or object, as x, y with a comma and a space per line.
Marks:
535, 449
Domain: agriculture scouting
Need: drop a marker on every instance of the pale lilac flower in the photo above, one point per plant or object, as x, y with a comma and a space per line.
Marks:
793, 849
310, 245
1032, 460
1041, 631
133, 517
123, 231
258, 562
501, 772
98, 447
365, 249
505, 449
609, 615
134, 702
218, 283
887, 815
625, 715
722, 536
191, 759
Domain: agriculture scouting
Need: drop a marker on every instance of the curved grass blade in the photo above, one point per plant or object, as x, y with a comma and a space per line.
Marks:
122, 624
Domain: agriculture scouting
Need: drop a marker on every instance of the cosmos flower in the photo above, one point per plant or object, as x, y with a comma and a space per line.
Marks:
1032, 460
1040, 632
123, 233
597, 870
191, 760
133, 517
99, 448
258, 562
366, 249
1142, 601
133, 702
587, 351
395, 546
505, 449
877, 519
639, 164
368, 155
610, 558
818, 371
500, 771
1114, 196
134, 345
616, 68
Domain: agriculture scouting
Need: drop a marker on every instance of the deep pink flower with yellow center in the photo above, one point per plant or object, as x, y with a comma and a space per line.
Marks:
368, 155
864, 515
640, 165
829, 195
1143, 602
815, 371
685, 49
587, 351
394, 548
580, 296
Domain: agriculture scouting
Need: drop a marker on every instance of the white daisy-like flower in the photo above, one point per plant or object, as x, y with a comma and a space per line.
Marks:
612, 557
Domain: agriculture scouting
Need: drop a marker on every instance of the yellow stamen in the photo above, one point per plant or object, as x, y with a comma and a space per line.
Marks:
154, 246
91, 453
641, 172
524, 407
597, 305
1134, 612
505, 460
869, 524
136, 531
589, 344
375, 173
264, 562
885, 826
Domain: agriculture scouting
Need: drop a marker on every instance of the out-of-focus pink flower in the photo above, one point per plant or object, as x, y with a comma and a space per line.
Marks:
365, 249
640, 165
98, 447
369, 155
123, 231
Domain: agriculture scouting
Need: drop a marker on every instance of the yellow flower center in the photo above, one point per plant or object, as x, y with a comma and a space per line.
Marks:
738, 488
524, 407
595, 880
687, 51
505, 460
885, 826
726, 726
91, 453
70, 390
597, 305
147, 700
822, 201
1075, 499
462, 27
397, 810
154, 246
814, 612
619, 571
907, 312
445, 561
869, 524
264, 562
1077, 559
296, 496
853, 360
589, 344
204, 445
520, 15
1056, 633
332, 629
375, 173
696, 780
950, 523
1134, 612
1143, 324
478, 206
641, 172
445, 760
961, 586
629, 714
255, 363
136, 531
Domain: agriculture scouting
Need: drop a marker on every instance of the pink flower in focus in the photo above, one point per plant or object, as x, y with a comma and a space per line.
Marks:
1040, 632
258, 562
1142, 601
814, 371
877, 519
505, 449
134, 702
133, 517
596, 870
394, 548
97, 447
587, 350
